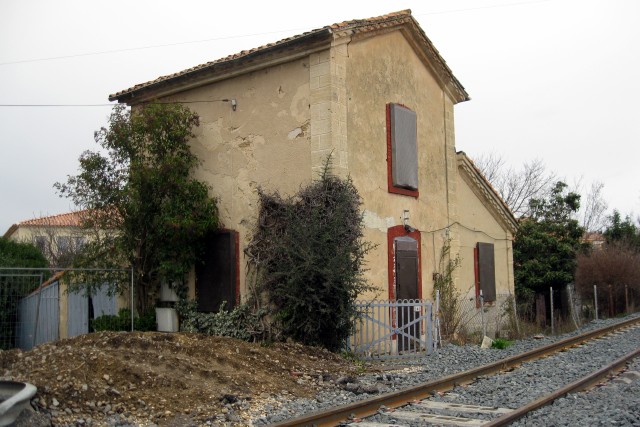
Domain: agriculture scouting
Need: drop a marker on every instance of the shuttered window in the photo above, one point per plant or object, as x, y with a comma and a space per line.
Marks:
485, 271
402, 150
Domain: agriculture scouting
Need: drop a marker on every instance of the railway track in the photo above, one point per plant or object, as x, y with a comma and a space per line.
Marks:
416, 405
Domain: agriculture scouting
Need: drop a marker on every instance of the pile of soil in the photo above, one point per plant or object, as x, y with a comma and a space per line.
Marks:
168, 379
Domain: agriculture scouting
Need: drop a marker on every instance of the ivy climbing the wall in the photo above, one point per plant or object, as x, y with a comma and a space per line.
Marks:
307, 255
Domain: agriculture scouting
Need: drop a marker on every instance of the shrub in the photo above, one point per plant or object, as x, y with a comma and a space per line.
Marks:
307, 254
122, 322
241, 322
501, 343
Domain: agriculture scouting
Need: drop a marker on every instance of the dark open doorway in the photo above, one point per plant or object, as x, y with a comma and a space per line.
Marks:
217, 277
407, 287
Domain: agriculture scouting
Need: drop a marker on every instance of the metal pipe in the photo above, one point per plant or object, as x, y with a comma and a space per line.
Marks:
132, 299
35, 326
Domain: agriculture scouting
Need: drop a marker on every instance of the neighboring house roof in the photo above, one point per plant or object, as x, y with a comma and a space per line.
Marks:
70, 219
594, 238
286, 49
483, 188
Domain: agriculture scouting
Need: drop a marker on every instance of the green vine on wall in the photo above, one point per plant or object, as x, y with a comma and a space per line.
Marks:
450, 297
306, 259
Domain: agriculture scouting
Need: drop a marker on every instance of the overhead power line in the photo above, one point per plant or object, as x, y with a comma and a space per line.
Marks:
115, 103
131, 49
57, 105
495, 6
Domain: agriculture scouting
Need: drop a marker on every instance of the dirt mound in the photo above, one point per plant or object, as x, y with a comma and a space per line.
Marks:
167, 379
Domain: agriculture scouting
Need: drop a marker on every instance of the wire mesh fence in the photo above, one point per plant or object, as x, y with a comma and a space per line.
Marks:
470, 316
42, 305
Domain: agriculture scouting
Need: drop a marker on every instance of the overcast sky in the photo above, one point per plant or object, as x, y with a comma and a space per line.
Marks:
556, 80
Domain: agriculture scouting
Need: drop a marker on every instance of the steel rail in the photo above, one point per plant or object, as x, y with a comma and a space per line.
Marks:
367, 407
578, 385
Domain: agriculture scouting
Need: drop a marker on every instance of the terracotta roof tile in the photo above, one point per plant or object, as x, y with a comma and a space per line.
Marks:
357, 25
70, 219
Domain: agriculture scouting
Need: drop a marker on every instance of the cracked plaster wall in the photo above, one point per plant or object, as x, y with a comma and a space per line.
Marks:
476, 216
264, 143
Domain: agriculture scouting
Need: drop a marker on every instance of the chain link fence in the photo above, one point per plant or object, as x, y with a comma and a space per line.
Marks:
42, 305
470, 318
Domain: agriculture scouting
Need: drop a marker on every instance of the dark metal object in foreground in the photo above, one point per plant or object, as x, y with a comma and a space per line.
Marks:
15, 397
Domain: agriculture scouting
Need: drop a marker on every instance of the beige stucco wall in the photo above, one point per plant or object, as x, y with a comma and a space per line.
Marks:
264, 143
477, 224
382, 70
289, 117
27, 233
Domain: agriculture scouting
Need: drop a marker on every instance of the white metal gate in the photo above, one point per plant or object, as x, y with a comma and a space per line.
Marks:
392, 329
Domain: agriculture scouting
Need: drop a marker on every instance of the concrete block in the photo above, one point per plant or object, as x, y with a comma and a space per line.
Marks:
323, 56
320, 126
320, 69
486, 342
321, 94
321, 110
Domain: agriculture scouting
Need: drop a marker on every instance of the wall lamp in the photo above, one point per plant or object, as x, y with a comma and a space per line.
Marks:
234, 103
405, 221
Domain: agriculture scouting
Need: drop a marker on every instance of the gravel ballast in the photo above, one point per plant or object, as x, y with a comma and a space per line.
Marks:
511, 389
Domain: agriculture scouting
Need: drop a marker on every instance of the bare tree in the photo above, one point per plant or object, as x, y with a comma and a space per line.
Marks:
60, 244
614, 269
593, 208
517, 186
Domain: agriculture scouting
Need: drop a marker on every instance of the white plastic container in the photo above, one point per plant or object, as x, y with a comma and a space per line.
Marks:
167, 294
167, 319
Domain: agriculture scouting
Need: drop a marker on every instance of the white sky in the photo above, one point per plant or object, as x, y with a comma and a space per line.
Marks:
551, 79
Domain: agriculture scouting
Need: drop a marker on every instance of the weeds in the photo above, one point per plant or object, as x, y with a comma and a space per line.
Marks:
501, 343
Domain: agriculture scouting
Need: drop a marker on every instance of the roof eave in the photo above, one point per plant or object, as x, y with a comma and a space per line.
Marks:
10, 231
501, 211
265, 57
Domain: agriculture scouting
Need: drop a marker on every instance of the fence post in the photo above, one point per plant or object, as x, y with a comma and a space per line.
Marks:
595, 299
436, 322
551, 301
35, 326
132, 305
484, 329
626, 298
611, 307
515, 315
572, 306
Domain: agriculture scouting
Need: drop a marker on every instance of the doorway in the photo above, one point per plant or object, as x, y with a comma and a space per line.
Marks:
217, 276
407, 288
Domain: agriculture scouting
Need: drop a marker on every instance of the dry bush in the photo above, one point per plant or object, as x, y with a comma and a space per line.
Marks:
611, 268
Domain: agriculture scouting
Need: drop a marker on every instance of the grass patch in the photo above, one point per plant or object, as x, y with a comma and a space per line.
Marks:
501, 343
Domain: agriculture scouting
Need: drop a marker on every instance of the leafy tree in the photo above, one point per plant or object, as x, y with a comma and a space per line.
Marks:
622, 231
14, 285
309, 251
20, 254
147, 209
547, 243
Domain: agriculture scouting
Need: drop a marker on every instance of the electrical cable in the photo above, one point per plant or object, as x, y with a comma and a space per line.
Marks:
131, 49
112, 104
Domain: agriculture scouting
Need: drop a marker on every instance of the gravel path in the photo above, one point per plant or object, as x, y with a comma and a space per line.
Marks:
617, 403
494, 391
